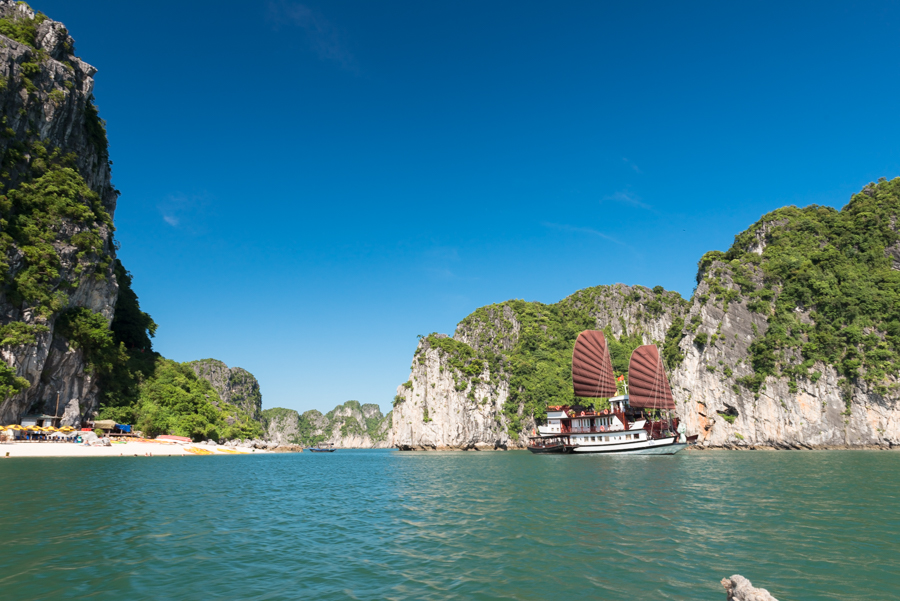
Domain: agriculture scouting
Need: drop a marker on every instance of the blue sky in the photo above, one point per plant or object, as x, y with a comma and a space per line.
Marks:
308, 186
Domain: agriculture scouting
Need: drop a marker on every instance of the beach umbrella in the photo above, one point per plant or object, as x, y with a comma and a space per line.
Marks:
67, 429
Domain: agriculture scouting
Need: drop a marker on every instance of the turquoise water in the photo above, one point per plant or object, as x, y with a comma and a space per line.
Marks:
390, 525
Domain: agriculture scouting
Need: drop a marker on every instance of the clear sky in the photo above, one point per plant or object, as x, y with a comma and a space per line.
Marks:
308, 186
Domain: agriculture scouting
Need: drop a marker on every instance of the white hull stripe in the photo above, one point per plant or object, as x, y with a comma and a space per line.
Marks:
663, 446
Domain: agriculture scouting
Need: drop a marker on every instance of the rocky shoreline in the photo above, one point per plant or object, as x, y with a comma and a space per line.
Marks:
796, 446
478, 446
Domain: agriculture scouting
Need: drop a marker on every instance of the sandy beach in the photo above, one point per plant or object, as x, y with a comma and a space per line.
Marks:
127, 449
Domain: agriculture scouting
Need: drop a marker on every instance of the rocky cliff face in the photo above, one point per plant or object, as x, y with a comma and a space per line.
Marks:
440, 408
347, 426
281, 426
790, 340
236, 386
350, 425
57, 246
448, 405
355, 426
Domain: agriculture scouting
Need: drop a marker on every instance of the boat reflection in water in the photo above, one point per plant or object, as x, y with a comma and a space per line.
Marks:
641, 422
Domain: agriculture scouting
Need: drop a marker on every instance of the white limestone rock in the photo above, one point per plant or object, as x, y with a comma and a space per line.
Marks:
711, 403
739, 588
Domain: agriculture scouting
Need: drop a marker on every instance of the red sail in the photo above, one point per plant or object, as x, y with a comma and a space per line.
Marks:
592, 372
648, 386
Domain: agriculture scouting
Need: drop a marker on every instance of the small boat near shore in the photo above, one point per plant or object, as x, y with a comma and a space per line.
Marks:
639, 423
322, 447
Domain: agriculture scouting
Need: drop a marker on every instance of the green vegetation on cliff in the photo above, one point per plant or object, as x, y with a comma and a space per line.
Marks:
539, 364
140, 387
312, 428
33, 217
57, 247
836, 265
538, 361
22, 29
175, 401
356, 419
350, 419
235, 385
827, 282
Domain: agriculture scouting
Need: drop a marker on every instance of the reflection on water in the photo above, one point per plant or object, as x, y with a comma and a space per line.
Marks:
388, 525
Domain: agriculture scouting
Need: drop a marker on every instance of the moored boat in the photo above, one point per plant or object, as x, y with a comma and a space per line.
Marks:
641, 421
322, 447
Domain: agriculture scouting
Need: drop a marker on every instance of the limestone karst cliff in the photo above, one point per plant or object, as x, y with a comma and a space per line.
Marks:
449, 401
282, 426
347, 426
73, 338
235, 385
57, 255
238, 401
790, 340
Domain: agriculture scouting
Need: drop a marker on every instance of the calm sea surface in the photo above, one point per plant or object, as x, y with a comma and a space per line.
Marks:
390, 525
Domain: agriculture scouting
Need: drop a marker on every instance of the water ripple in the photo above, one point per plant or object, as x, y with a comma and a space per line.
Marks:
384, 525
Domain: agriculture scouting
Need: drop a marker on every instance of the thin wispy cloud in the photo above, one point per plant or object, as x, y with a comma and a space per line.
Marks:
628, 198
324, 38
632, 165
184, 211
582, 230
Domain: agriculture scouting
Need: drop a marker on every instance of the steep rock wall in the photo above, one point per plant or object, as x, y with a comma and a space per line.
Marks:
467, 410
439, 408
355, 426
348, 426
281, 425
820, 412
45, 106
708, 342
235, 385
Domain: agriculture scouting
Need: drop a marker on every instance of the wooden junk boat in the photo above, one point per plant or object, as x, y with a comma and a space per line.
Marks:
638, 422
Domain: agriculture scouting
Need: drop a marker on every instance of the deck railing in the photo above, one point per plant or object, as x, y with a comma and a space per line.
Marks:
592, 429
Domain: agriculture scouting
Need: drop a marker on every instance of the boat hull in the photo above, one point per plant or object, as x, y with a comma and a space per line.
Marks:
661, 446
538, 450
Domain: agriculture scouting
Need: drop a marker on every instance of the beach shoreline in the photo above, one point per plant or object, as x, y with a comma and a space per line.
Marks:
9, 450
